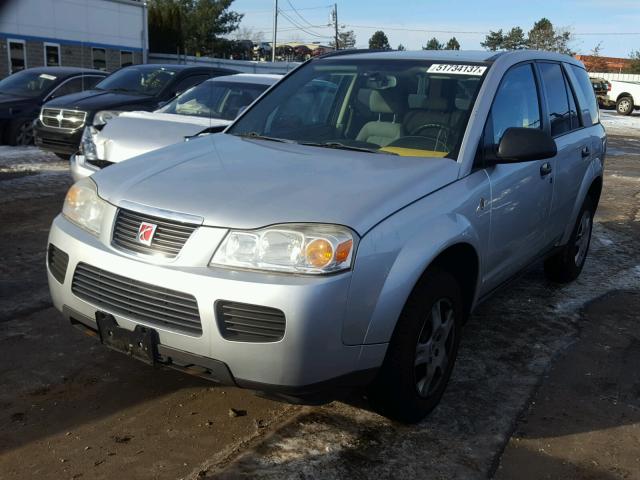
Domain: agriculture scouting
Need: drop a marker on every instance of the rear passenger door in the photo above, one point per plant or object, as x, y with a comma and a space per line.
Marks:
520, 192
574, 146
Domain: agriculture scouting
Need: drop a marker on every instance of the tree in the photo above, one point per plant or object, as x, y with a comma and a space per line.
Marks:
401, 48
594, 62
452, 44
514, 40
493, 41
346, 39
379, 41
543, 36
193, 26
634, 64
433, 44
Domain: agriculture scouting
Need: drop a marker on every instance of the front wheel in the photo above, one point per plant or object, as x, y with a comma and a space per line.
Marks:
566, 265
21, 133
422, 351
624, 106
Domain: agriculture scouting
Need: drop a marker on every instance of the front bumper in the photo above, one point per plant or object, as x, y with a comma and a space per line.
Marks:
61, 142
311, 353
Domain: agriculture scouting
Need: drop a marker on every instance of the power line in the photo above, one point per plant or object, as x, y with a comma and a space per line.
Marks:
460, 32
300, 27
298, 13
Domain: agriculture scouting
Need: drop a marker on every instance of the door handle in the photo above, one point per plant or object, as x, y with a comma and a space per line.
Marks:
586, 151
545, 169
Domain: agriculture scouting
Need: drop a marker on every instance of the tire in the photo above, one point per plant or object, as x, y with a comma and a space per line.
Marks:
566, 265
625, 106
21, 133
406, 389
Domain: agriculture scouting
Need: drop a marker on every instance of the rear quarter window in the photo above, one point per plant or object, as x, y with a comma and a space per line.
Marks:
586, 97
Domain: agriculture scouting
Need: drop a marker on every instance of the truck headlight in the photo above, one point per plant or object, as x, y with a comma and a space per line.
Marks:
87, 145
294, 248
83, 207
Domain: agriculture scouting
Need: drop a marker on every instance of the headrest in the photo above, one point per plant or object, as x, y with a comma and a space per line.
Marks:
424, 102
382, 102
364, 94
463, 103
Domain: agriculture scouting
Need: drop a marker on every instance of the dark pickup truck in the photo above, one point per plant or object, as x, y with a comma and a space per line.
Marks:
138, 87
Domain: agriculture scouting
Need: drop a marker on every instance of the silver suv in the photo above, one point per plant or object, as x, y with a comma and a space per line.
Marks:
342, 229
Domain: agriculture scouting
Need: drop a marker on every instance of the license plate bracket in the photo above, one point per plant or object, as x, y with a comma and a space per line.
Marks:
141, 343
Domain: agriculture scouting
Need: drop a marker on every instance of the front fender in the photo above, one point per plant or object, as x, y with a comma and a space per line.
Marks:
392, 257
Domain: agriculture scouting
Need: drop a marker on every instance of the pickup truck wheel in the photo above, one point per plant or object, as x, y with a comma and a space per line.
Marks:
21, 133
422, 351
566, 265
624, 106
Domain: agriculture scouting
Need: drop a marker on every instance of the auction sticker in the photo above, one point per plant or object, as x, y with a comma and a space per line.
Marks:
476, 70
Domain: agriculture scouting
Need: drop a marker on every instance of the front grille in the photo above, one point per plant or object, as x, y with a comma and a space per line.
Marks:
57, 261
168, 239
62, 118
137, 300
242, 322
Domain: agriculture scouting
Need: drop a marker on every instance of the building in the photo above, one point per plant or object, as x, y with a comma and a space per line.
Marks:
604, 64
101, 34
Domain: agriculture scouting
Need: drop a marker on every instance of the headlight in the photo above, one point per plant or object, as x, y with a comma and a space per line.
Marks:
83, 207
295, 248
101, 118
87, 145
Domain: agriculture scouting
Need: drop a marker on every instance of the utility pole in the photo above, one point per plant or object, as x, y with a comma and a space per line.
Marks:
275, 30
335, 23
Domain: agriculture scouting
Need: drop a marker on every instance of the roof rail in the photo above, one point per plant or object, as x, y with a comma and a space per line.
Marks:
348, 51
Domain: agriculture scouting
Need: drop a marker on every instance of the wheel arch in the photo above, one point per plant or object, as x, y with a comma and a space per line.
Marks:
625, 94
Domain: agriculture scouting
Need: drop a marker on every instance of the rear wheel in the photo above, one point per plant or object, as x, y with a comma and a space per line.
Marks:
624, 106
566, 265
422, 351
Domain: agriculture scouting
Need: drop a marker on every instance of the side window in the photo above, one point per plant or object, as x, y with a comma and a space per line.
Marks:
557, 98
516, 103
188, 82
70, 86
586, 97
91, 81
573, 110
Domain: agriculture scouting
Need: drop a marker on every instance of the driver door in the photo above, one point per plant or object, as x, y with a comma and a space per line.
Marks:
521, 193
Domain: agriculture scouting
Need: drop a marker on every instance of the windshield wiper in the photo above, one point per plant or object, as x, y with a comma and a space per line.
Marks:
257, 136
342, 146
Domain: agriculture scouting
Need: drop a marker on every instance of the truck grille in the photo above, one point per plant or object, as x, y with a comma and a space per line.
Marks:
242, 322
57, 261
168, 240
137, 300
62, 118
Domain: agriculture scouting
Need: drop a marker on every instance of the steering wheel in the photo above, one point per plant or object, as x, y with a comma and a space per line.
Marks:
441, 137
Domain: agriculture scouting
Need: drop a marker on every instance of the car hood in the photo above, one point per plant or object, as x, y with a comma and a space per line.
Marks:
94, 100
246, 183
134, 133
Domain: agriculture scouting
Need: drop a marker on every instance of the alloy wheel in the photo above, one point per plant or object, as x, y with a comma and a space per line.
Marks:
435, 347
582, 238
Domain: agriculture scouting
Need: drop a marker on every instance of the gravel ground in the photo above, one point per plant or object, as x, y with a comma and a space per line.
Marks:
72, 409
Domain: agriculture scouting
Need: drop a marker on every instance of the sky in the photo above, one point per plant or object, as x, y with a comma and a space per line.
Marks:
615, 23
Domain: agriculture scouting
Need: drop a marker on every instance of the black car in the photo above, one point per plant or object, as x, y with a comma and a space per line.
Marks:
138, 87
23, 94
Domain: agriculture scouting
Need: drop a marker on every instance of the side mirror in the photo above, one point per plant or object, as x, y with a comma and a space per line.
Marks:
524, 145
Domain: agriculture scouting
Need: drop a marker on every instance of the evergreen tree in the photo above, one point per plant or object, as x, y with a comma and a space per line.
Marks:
379, 41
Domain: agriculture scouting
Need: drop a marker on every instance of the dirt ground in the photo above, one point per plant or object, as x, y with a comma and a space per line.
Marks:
546, 384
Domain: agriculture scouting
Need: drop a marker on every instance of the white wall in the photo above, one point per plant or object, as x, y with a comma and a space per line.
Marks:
108, 22
625, 77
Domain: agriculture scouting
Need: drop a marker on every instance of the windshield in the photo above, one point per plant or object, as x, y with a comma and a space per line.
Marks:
133, 80
400, 107
28, 84
213, 99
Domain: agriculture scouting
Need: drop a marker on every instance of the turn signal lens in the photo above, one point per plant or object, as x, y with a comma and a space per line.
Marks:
343, 251
319, 253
